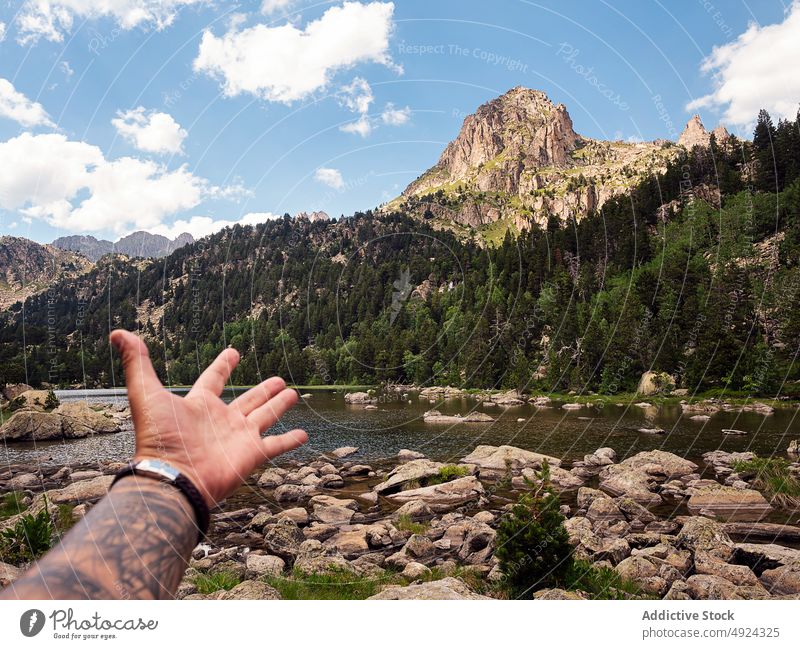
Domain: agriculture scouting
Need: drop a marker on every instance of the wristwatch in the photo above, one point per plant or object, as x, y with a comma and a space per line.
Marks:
159, 470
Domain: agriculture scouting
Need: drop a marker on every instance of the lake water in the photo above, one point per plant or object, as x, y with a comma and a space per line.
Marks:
398, 424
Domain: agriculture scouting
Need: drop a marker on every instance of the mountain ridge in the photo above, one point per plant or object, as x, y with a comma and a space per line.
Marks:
517, 160
136, 244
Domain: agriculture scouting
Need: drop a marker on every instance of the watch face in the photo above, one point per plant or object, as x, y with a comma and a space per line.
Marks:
159, 468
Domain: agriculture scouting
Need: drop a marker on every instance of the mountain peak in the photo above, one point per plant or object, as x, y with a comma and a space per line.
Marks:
518, 159
519, 129
694, 133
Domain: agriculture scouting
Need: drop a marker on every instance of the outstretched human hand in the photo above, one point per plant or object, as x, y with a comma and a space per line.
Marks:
215, 444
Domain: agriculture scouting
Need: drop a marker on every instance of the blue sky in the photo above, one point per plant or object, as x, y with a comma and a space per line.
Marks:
188, 114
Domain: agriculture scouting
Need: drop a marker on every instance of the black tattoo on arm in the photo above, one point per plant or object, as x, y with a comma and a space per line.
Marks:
134, 544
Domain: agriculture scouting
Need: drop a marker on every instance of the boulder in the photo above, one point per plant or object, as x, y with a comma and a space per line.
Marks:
510, 398
23, 481
605, 510
69, 421
783, 580
79, 420
436, 417
359, 398
8, 574
333, 514
655, 383
729, 503
419, 547
283, 539
263, 565
405, 455
350, 541
707, 564
636, 476
291, 492
559, 478
251, 589
271, 478
413, 509
704, 534
414, 570
442, 589
557, 594
714, 587
413, 471
763, 556
298, 515
643, 572
84, 491
494, 461
345, 451
315, 558
443, 497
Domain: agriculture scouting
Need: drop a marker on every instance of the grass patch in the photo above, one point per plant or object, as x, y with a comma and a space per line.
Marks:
448, 473
771, 475
210, 583
335, 584
11, 504
405, 523
599, 583
63, 518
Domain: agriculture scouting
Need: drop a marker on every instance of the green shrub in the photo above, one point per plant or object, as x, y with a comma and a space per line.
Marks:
16, 404
533, 547
51, 402
448, 473
405, 523
210, 583
28, 539
11, 504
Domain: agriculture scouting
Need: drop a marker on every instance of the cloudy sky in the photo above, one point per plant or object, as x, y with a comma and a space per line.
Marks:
189, 115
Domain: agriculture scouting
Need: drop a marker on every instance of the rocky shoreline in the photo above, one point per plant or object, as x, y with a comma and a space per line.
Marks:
414, 528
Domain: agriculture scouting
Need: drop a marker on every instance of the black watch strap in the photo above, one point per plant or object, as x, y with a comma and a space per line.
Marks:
166, 473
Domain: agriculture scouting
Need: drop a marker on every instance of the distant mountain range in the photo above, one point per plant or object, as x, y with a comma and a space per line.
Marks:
137, 244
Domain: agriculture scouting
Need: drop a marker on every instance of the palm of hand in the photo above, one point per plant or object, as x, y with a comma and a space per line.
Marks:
215, 444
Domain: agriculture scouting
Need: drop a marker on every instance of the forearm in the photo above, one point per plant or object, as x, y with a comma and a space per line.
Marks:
134, 544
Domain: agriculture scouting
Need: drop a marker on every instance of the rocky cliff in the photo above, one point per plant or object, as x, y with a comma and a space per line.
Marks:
27, 268
518, 160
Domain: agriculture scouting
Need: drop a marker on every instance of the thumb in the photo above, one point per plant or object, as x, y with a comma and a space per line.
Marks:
140, 377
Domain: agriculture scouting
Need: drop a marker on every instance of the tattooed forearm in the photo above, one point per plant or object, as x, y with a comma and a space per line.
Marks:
134, 544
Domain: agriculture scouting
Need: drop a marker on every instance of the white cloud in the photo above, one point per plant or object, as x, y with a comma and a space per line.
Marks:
287, 63
755, 71
362, 126
357, 97
2, 32
51, 19
271, 6
395, 116
330, 177
202, 226
71, 185
150, 131
14, 105
66, 69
